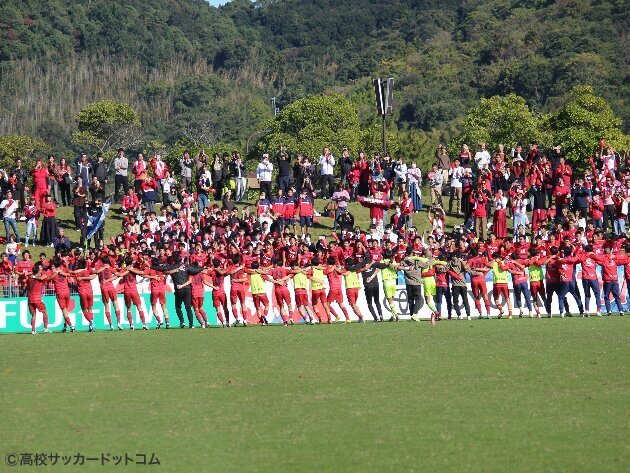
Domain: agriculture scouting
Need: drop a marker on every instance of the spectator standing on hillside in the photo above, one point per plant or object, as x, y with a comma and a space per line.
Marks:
326, 170
100, 169
19, 176
240, 176
139, 169
49, 224
443, 161
414, 180
78, 202
84, 169
40, 183
160, 169
482, 157
121, 177
53, 183
263, 174
64, 181
284, 172
186, 164
346, 166
435, 183
10, 208
219, 174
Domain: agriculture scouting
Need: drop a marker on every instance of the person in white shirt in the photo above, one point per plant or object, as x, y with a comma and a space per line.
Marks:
482, 157
326, 169
400, 170
263, 174
456, 172
10, 206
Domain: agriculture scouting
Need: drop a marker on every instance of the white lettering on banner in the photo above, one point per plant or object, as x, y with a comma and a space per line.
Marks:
25, 315
7, 309
55, 317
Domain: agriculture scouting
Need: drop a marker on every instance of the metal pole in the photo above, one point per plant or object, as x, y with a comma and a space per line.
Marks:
384, 136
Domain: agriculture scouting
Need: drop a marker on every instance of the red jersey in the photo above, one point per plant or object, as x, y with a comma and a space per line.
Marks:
61, 285
129, 283
157, 285
218, 280
376, 254
334, 279
478, 263
565, 267
103, 276
519, 278
589, 266
84, 286
266, 259
23, 267
609, 265
240, 274
197, 285
552, 276
35, 288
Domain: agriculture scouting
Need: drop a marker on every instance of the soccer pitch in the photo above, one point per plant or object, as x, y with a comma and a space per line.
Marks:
482, 395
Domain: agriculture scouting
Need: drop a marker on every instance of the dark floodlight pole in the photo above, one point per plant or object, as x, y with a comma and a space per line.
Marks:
384, 93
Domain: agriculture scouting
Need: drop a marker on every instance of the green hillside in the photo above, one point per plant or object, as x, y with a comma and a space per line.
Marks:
183, 61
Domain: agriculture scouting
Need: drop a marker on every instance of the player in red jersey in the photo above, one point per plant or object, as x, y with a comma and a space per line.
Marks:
197, 282
237, 288
590, 283
106, 277
130, 292
23, 268
609, 263
157, 286
333, 272
478, 281
59, 278
36, 283
279, 278
219, 298
86, 296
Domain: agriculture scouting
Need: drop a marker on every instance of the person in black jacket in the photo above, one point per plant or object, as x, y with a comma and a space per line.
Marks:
20, 182
284, 172
179, 273
580, 195
346, 165
345, 220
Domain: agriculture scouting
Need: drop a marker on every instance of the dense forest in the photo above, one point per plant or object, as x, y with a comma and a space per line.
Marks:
183, 62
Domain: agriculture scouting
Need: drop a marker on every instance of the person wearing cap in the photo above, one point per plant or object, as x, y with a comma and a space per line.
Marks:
326, 169
263, 174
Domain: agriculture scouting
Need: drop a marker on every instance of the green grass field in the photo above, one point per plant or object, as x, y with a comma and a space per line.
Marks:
512, 395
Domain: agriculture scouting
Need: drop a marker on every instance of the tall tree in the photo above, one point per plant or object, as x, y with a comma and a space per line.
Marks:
585, 120
106, 125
